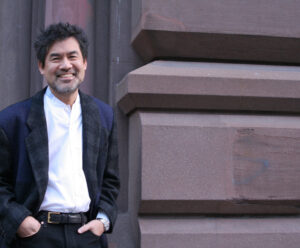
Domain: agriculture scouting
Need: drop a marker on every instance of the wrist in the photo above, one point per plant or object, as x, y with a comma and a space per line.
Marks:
105, 223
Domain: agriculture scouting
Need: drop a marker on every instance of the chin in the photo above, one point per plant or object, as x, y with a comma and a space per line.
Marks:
65, 90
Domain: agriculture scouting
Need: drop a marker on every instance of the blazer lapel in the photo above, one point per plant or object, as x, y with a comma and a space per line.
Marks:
92, 131
37, 143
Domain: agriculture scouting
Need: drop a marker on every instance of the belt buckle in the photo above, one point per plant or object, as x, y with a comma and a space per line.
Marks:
49, 217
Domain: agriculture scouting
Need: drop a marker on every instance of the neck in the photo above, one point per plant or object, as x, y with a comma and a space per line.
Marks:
68, 98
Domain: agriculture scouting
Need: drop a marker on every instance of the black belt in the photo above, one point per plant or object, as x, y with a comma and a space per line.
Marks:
62, 218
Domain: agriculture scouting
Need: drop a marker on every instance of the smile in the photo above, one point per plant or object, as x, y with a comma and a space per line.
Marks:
65, 75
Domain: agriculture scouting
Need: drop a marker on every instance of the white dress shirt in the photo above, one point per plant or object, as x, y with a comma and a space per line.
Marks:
67, 189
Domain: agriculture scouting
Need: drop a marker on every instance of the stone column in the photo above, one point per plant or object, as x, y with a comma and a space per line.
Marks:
214, 126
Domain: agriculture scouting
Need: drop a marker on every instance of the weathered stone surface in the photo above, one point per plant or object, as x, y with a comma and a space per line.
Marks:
216, 163
211, 86
203, 29
219, 232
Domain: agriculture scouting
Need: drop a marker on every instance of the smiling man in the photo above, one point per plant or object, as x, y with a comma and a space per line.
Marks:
64, 69
58, 155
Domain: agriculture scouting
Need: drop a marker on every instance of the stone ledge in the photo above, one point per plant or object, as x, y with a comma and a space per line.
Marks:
276, 232
220, 207
211, 86
248, 30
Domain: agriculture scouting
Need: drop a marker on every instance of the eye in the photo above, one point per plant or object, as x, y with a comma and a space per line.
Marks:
55, 59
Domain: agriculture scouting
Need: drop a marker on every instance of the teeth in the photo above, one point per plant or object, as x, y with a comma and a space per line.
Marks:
66, 75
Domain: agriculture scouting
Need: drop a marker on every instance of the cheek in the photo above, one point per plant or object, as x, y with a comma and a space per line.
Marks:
51, 72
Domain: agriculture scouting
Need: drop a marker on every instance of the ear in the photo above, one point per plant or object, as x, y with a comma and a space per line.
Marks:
41, 68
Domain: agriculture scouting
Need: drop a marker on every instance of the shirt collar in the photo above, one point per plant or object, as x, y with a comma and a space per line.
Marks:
58, 102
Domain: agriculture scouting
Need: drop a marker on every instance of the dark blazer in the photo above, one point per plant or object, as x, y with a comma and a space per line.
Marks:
24, 161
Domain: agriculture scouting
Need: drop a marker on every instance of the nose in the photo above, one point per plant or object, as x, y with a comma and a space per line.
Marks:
65, 64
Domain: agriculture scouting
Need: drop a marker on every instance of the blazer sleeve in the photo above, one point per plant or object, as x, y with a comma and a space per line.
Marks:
111, 181
11, 213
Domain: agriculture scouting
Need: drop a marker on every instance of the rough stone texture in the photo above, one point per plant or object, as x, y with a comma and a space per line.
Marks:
202, 29
217, 163
219, 232
211, 86
213, 139
108, 25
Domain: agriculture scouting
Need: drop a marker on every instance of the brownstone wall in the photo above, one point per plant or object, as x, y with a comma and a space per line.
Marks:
214, 126
111, 57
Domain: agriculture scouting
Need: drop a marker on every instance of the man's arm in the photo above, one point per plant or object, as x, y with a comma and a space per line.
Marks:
111, 181
12, 214
110, 189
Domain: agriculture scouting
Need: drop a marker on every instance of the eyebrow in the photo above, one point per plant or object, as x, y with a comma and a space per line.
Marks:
73, 52
59, 54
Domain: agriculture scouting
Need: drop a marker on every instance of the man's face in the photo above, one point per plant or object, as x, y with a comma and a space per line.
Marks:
64, 67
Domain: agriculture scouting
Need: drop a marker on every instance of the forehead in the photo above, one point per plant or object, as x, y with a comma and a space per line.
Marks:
65, 46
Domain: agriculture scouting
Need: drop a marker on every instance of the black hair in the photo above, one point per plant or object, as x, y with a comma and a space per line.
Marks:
58, 32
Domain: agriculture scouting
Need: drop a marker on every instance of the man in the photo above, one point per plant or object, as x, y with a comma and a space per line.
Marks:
58, 155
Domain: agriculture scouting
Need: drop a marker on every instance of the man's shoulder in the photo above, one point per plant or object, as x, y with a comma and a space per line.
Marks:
20, 110
103, 106
15, 112
106, 112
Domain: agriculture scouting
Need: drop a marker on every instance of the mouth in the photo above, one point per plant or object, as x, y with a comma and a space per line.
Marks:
66, 76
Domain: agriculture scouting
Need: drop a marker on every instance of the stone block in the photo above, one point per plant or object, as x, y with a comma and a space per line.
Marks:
199, 232
210, 163
211, 86
265, 31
